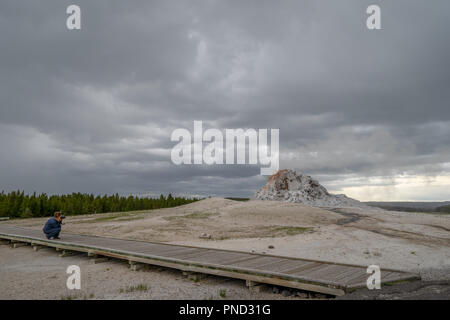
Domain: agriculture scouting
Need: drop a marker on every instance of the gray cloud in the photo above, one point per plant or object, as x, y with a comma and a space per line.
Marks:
93, 110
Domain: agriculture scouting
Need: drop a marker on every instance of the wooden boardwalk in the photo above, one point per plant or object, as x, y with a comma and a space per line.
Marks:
318, 276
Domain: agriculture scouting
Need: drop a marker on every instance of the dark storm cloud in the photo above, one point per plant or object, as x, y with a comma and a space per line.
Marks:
93, 110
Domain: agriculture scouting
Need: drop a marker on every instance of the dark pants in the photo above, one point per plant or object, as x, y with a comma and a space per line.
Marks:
53, 233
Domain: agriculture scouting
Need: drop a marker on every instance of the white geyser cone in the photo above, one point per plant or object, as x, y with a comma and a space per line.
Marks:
287, 185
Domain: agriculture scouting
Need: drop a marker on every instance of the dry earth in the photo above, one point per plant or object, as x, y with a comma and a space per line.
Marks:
415, 242
26, 274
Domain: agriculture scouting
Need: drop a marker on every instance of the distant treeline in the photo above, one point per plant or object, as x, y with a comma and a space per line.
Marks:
439, 209
19, 205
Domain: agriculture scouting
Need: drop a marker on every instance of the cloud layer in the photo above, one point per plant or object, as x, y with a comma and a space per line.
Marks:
366, 112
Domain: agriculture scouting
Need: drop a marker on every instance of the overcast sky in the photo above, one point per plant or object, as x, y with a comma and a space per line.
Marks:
365, 112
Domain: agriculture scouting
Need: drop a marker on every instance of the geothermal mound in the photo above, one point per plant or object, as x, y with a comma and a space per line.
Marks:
286, 185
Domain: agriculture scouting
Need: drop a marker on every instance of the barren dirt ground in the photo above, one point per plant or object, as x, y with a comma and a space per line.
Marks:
26, 274
415, 242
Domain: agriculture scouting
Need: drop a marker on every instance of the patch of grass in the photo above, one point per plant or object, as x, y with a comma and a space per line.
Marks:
290, 231
131, 218
195, 215
100, 219
377, 254
118, 216
91, 296
223, 293
140, 287
374, 253
198, 215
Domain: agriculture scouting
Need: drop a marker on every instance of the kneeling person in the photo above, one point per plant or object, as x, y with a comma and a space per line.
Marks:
52, 227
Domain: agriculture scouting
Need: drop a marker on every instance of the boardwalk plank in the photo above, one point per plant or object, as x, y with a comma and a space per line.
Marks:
319, 276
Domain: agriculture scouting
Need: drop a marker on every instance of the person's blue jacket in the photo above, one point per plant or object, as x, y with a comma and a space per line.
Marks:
52, 225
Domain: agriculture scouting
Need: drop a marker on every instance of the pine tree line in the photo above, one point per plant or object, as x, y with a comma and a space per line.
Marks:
16, 204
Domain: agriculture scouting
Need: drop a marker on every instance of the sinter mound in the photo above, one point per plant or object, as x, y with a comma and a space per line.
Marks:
286, 185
